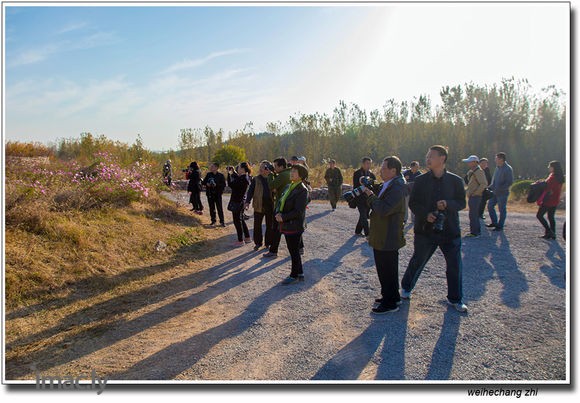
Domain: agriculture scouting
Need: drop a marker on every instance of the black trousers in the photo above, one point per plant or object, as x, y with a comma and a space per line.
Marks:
240, 224
363, 219
195, 200
387, 263
215, 203
551, 217
267, 237
293, 243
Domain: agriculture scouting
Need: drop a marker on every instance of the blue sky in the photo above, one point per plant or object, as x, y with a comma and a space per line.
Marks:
121, 71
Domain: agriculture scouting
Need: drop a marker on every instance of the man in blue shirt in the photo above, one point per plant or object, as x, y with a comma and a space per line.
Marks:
503, 177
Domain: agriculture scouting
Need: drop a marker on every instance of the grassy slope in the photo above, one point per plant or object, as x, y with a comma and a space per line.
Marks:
47, 250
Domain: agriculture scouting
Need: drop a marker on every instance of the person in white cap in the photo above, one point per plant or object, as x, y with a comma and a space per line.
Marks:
476, 184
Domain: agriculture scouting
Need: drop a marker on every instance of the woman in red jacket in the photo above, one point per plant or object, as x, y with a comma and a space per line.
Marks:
550, 199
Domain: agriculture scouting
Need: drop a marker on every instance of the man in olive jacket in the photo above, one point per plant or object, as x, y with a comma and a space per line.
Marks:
386, 231
334, 180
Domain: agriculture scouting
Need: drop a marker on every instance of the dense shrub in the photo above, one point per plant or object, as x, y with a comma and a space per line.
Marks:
520, 189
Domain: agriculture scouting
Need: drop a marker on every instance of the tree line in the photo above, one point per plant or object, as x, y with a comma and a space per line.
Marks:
470, 119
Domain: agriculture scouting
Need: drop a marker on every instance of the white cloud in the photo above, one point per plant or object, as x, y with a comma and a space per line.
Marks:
192, 63
75, 26
35, 55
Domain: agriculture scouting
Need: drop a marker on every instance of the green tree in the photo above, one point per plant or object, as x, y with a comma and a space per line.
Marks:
229, 155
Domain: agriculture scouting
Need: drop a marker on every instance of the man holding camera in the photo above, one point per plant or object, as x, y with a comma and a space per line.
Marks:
277, 185
436, 199
215, 183
361, 201
386, 232
260, 196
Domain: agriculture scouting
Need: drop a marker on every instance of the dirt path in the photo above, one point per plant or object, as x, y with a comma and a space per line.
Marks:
225, 317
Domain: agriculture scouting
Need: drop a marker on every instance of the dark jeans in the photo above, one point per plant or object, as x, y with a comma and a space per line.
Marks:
551, 217
482, 206
293, 243
276, 236
363, 218
501, 202
195, 200
334, 195
425, 246
267, 238
474, 225
215, 202
240, 224
387, 263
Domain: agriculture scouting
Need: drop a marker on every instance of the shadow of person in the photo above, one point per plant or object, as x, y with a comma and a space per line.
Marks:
353, 358
122, 328
178, 357
513, 280
477, 270
556, 271
314, 217
444, 351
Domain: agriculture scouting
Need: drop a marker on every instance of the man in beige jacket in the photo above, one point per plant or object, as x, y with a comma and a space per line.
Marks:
476, 184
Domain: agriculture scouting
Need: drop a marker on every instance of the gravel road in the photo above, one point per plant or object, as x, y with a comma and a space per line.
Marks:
230, 319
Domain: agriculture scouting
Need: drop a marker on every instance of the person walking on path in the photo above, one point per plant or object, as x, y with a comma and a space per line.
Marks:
436, 200
362, 225
333, 177
194, 188
290, 215
277, 186
476, 184
215, 183
239, 182
503, 177
410, 175
484, 164
167, 172
550, 199
386, 232
260, 196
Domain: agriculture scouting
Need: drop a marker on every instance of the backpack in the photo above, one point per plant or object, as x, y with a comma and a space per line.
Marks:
536, 190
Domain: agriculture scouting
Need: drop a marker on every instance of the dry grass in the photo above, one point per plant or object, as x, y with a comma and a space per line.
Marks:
49, 250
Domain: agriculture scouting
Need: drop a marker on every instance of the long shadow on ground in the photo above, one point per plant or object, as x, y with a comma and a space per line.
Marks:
90, 340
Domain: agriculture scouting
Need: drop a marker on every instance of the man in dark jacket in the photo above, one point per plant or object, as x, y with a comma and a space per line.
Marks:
334, 180
436, 199
277, 185
260, 196
386, 232
215, 183
484, 164
361, 201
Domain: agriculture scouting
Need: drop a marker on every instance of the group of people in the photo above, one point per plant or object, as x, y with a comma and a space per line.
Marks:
279, 195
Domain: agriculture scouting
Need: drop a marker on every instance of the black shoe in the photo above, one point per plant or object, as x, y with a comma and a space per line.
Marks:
212, 223
257, 247
223, 224
383, 309
492, 225
380, 301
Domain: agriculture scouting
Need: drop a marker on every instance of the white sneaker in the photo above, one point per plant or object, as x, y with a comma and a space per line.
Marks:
459, 306
405, 294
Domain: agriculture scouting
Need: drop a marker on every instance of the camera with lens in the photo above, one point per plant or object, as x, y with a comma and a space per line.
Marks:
439, 222
366, 181
269, 167
185, 170
211, 182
